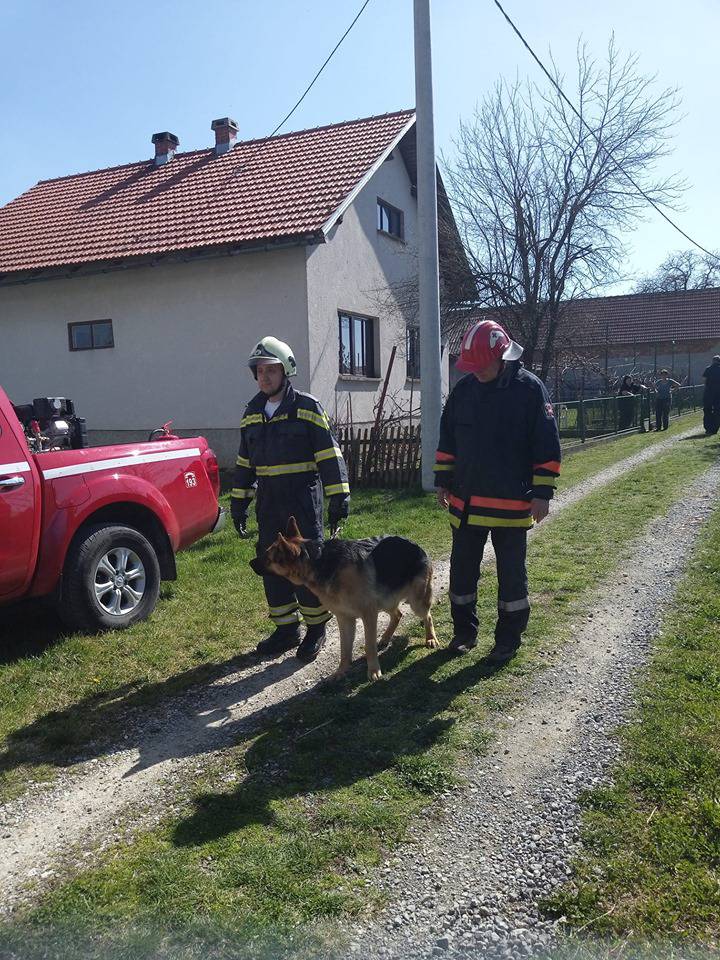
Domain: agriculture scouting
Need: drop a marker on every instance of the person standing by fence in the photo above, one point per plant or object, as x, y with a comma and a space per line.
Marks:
627, 404
663, 398
497, 465
711, 397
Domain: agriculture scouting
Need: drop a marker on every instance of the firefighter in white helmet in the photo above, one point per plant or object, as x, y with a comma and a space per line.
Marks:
288, 458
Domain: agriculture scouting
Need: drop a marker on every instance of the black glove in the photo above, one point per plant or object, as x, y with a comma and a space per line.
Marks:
239, 512
338, 508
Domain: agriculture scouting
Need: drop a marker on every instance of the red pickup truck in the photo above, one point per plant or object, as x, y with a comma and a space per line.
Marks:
96, 528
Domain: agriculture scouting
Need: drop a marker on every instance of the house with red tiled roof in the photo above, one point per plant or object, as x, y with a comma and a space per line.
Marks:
600, 339
139, 290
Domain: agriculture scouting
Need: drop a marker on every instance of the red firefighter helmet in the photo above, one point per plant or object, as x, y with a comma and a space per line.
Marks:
484, 342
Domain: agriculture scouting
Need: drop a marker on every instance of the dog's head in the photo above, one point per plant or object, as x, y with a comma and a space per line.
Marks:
285, 557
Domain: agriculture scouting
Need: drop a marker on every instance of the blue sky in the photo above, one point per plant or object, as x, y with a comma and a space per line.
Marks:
85, 84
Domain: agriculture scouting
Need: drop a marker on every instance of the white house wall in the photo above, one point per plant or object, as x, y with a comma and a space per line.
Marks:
182, 336
356, 272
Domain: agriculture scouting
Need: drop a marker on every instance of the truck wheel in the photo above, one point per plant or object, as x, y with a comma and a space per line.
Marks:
111, 579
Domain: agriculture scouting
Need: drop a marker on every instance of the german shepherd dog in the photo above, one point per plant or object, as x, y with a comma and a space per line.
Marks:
357, 579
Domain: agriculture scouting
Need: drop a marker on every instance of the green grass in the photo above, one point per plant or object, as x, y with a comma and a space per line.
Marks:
58, 693
282, 831
652, 838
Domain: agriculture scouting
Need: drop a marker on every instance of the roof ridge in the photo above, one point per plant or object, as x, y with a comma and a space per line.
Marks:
116, 166
649, 293
329, 126
189, 153
614, 296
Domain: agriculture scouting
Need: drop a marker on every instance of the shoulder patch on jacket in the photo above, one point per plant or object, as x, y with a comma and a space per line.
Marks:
550, 413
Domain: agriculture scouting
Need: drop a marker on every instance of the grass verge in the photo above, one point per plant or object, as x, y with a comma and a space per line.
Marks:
651, 866
284, 831
58, 693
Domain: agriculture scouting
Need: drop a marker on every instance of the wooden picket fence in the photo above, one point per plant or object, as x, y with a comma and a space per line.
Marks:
388, 457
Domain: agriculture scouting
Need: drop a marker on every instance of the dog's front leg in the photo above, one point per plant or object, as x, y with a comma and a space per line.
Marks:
371, 647
346, 626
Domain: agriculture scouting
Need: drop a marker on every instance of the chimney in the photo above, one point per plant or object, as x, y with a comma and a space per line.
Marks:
226, 131
165, 146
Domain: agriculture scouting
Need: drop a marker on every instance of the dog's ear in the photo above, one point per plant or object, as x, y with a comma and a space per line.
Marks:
289, 548
293, 530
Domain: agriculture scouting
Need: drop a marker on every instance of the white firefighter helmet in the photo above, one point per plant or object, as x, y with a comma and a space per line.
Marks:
272, 350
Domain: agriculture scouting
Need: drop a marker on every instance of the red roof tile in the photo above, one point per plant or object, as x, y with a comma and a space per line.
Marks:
634, 318
285, 186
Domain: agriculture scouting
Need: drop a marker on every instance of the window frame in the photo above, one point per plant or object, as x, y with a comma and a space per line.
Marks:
369, 326
412, 353
390, 211
91, 324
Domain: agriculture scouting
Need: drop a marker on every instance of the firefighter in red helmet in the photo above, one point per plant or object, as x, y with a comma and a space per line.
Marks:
497, 465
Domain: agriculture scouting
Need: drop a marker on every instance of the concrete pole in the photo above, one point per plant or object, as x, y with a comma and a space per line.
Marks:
428, 263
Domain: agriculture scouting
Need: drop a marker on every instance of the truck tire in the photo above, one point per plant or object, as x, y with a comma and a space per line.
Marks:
111, 579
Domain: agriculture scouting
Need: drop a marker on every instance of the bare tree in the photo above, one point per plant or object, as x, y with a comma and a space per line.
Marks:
542, 201
683, 270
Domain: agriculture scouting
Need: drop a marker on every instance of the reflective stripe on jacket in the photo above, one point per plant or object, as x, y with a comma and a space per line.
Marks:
283, 457
499, 447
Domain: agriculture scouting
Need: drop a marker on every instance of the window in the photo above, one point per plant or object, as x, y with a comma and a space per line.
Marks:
389, 219
93, 335
357, 345
412, 353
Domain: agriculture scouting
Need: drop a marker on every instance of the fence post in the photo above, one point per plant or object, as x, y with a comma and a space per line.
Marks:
641, 412
581, 418
616, 415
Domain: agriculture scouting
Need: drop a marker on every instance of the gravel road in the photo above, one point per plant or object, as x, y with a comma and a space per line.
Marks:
468, 882
56, 828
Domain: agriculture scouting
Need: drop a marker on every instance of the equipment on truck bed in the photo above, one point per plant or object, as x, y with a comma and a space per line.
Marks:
49, 423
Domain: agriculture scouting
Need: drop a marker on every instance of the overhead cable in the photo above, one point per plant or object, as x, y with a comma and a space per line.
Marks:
609, 153
310, 85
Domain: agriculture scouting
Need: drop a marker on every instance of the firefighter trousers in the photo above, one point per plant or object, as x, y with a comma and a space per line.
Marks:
510, 545
711, 412
288, 604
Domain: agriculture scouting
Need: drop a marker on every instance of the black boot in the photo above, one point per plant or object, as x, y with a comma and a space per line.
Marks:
459, 646
284, 638
312, 643
501, 654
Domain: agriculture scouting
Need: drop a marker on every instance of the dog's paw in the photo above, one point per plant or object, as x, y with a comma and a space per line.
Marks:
374, 673
432, 643
339, 675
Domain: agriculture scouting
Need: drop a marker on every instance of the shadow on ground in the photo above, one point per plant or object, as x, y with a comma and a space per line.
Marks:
127, 714
27, 629
344, 736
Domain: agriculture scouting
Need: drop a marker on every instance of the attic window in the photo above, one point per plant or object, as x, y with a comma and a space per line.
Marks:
389, 219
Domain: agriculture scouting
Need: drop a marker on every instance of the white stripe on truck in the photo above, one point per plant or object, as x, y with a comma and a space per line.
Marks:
132, 461
22, 467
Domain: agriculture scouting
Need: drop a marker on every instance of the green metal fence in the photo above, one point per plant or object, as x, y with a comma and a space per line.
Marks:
581, 420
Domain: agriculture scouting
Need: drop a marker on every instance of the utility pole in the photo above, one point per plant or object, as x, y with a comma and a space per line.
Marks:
428, 261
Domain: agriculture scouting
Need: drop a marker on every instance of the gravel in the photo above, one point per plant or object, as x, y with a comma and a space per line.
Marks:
469, 880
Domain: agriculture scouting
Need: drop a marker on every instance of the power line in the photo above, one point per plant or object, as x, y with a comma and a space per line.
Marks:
310, 85
602, 146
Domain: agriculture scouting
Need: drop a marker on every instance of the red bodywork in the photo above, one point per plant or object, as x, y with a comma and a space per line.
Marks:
168, 489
